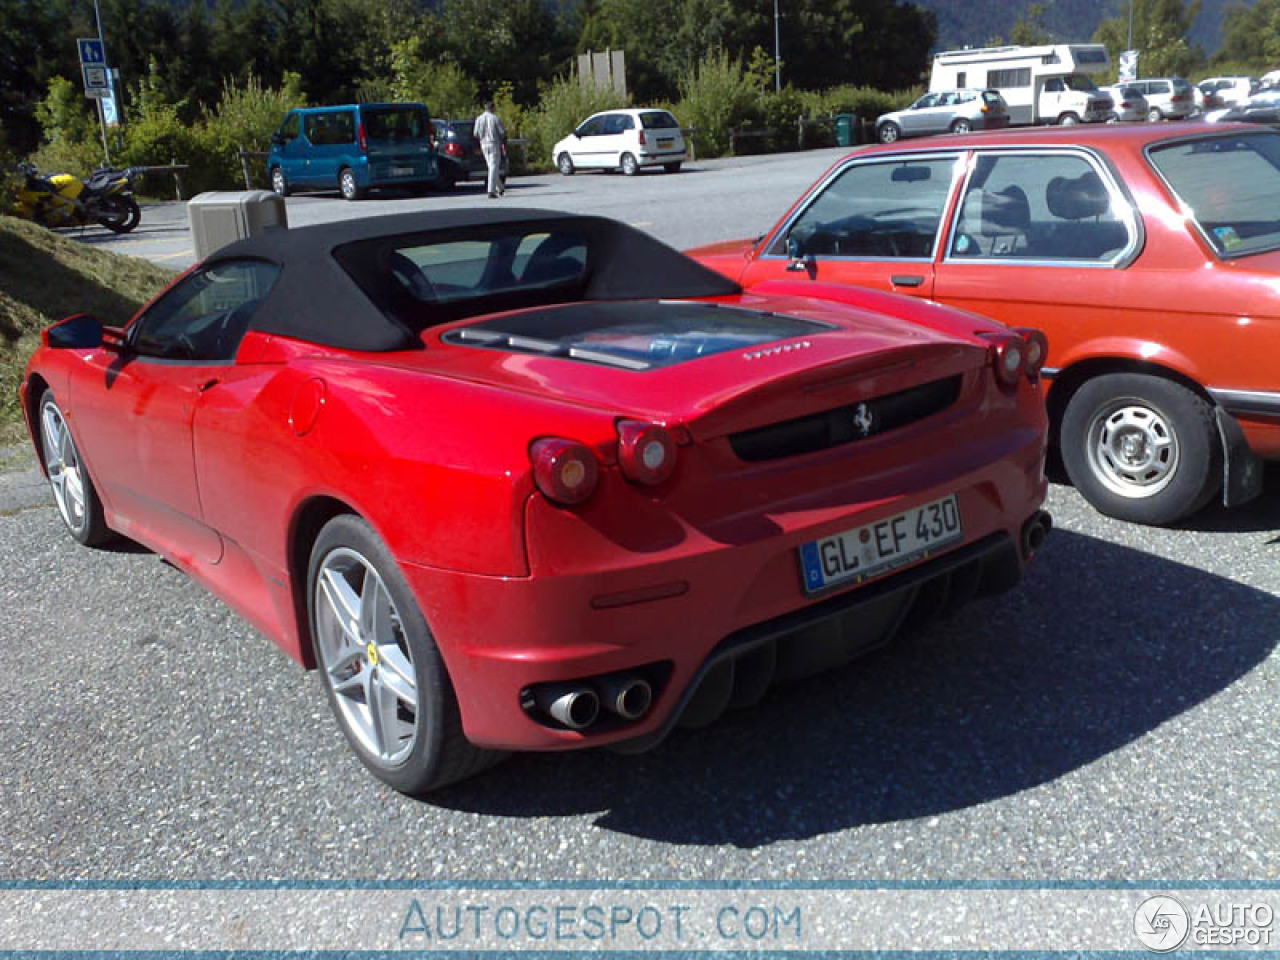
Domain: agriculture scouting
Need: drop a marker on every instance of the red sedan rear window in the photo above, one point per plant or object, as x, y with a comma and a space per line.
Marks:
1231, 185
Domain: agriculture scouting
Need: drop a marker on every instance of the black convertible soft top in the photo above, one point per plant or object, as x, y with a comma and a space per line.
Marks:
334, 289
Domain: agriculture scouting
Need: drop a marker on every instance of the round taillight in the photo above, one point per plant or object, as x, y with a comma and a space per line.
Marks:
1010, 360
646, 452
1037, 350
564, 470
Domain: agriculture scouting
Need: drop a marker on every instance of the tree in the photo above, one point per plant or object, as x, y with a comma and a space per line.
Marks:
1160, 31
519, 42
1029, 30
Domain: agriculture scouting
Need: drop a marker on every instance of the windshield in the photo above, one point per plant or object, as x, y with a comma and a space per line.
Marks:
1231, 185
395, 124
1078, 81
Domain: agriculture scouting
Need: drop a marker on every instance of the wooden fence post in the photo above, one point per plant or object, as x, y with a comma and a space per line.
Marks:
177, 179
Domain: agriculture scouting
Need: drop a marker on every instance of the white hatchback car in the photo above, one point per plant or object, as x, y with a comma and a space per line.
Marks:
625, 140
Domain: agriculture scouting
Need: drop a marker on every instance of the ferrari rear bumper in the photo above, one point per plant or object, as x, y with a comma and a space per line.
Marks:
707, 622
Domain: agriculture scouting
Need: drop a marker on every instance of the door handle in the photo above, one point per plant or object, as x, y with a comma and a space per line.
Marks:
208, 384
906, 280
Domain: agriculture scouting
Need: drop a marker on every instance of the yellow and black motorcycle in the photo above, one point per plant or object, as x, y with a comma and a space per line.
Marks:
64, 200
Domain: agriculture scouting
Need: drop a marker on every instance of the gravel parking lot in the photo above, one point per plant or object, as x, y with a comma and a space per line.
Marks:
1113, 718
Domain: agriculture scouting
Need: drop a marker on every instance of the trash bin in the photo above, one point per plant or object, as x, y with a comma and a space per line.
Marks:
224, 216
844, 129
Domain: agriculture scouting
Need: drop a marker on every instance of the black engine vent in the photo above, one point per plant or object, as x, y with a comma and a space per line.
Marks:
854, 421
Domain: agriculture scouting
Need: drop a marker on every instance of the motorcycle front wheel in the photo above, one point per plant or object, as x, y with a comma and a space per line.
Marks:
119, 214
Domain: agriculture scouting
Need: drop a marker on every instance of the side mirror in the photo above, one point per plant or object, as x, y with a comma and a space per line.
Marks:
795, 249
80, 332
278, 139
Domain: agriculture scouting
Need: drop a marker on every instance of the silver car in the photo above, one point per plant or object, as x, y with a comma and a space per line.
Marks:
1128, 103
1168, 98
945, 111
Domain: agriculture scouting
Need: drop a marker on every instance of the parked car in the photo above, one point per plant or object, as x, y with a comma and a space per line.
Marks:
1227, 91
1128, 103
1149, 255
458, 153
626, 140
1168, 98
354, 148
523, 480
1262, 107
945, 111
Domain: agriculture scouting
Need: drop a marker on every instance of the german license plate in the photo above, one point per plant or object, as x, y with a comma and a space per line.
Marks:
665, 141
864, 552
402, 171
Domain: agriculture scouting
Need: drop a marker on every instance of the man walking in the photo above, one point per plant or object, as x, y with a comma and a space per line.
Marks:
491, 134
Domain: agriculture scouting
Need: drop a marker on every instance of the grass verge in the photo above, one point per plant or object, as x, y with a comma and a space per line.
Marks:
45, 276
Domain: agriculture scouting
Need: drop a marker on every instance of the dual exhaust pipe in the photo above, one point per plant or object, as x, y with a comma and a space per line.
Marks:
577, 704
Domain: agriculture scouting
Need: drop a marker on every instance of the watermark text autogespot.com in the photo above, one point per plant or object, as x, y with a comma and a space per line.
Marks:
425, 922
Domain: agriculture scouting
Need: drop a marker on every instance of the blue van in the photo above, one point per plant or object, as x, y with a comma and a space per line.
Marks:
355, 148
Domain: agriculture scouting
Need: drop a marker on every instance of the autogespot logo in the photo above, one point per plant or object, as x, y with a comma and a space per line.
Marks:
1161, 924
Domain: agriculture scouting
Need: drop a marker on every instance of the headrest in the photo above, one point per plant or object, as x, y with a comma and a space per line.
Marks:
1078, 197
1005, 211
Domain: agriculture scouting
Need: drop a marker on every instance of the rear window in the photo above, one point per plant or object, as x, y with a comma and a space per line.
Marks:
1231, 185
395, 124
991, 98
658, 120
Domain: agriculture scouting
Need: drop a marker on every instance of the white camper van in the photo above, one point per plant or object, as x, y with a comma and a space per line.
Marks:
1047, 84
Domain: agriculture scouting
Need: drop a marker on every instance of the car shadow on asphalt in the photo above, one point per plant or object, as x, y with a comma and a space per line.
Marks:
1100, 645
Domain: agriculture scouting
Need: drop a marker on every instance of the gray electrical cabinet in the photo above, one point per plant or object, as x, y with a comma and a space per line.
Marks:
225, 216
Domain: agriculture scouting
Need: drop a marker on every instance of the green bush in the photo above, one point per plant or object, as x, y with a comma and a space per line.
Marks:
562, 106
244, 119
717, 95
867, 102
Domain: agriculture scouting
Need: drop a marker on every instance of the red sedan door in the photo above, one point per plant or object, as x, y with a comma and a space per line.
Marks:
874, 222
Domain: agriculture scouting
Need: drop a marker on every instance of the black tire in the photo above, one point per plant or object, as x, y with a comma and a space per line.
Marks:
960, 125
279, 182
83, 519
440, 753
1154, 115
1068, 119
1141, 448
888, 132
119, 214
672, 167
349, 187
564, 163
628, 165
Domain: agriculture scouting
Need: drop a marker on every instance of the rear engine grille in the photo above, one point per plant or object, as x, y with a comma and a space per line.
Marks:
855, 421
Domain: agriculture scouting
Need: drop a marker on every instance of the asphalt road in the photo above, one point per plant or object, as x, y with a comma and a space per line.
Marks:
1113, 718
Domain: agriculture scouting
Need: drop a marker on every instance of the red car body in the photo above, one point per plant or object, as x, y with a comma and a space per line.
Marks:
1148, 252
430, 430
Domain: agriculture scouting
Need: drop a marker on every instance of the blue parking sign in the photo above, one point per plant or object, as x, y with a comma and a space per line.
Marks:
91, 52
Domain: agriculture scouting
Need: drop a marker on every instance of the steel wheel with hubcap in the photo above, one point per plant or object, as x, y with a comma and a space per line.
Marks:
351, 190
73, 491
383, 674
279, 184
1141, 448
564, 163
629, 165
960, 126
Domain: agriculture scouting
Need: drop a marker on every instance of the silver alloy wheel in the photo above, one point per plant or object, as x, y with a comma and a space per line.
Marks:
365, 656
565, 165
629, 165
889, 133
278, 183
960, 126
1132, 448
66, 476
347, 183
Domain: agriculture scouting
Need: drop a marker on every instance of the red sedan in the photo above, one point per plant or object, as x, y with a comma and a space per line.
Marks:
1149, 255
523, 480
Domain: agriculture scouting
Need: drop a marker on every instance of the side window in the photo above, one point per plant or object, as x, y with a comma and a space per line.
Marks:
289, 129
614, 123
311, 127
343, 128
887, 209
1039, 207
1053, 85
961, 79
592, 128
928, 100
203, 318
